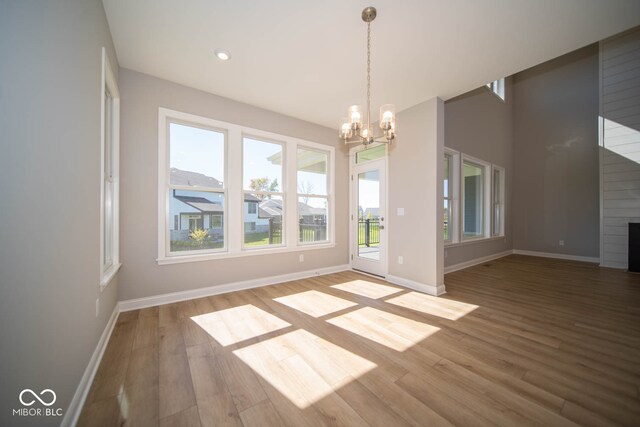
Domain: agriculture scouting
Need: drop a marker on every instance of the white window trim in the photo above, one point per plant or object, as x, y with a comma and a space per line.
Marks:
486, 198
234, 212
454, 220
108, 82
503, 181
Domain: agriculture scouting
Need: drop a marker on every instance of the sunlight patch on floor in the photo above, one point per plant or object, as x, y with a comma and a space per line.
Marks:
393, 331
314, 303
367, 289
302, 366
435, 306
233, 325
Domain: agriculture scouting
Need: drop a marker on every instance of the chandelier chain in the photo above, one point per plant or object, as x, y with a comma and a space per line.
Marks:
369, 77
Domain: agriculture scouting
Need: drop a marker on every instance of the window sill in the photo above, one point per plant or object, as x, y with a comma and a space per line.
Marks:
226, 255
472, 241
109, 275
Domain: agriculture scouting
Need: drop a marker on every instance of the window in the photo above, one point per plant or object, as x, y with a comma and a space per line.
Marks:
109, 182
497, 226
313, 201
196, 186
262, 182
473, 199
497, 87
225, 190
451, 178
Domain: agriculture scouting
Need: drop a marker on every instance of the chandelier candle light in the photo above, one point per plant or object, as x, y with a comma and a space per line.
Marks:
352, 128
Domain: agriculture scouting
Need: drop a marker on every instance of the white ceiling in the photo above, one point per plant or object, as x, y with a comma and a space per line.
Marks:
308, 59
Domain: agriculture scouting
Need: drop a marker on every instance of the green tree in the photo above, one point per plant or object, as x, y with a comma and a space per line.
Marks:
263, 184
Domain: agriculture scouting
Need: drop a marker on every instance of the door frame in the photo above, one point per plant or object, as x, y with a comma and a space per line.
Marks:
353, 214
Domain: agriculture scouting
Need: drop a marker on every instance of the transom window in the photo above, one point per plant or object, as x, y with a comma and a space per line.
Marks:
226, 190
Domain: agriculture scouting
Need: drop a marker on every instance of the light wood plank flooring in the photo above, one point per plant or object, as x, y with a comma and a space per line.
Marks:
517, 341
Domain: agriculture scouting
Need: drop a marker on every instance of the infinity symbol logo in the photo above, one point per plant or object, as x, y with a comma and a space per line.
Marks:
29, 403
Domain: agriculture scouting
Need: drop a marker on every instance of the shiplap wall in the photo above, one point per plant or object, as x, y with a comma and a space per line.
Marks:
619, 144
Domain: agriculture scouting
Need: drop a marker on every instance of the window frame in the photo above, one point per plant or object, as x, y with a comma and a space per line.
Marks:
109, 146
314, 196
234, 187
486, 201
171, 187
454, 191
500, 203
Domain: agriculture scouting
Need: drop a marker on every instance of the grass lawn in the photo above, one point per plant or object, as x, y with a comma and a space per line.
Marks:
256, 239
190, 245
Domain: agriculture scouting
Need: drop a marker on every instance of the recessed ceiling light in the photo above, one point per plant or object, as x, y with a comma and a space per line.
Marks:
222, 54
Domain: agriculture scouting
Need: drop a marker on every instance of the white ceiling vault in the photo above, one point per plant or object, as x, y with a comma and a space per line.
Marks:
307, 59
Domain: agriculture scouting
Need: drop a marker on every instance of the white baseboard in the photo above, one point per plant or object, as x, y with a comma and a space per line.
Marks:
77, 402
558, 256
138, 303
421, 287
476, 261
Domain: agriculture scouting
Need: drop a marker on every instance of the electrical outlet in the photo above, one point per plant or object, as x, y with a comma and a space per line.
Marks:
400, 260
97, 307
400, 211
561, 242
301, 257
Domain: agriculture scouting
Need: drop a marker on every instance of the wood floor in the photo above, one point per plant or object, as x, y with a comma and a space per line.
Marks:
517, 341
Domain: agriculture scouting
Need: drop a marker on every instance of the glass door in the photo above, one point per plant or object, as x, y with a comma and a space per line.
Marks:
368, 217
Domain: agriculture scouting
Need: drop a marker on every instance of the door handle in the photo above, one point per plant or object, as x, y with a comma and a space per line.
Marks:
382, 227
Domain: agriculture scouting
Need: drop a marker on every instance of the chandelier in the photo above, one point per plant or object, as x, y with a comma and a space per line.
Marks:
352, 127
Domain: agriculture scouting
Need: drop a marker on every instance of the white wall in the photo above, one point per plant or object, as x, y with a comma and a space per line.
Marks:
415, 184
619, 144
50, 91
142, 95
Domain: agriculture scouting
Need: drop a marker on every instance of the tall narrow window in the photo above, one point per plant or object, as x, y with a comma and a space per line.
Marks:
263, 193
497, 87
448, 169
313, 200
473, 200
196, 190
109, 185
497, 226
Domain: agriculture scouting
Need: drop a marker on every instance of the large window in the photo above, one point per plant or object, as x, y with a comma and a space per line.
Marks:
473, 190
479, 211
313, 200
196, 187
226, 190
109, 183
263, 201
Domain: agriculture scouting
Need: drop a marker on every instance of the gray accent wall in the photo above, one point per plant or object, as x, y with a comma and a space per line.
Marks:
480, 125
556, 183
50, 88
141, 276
